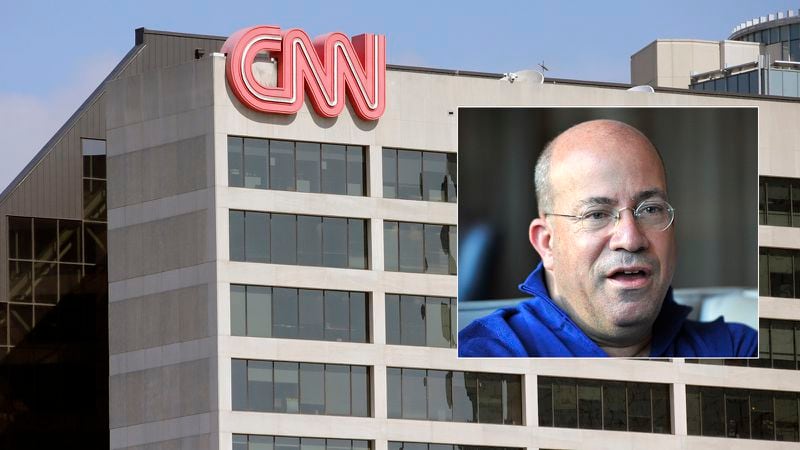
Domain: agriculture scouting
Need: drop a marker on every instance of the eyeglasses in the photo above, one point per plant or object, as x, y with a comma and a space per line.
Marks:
650, 215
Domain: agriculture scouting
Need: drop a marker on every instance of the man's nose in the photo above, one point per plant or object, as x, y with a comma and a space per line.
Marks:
626, 234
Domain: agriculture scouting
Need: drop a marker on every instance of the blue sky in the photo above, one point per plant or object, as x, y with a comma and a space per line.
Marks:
57, 52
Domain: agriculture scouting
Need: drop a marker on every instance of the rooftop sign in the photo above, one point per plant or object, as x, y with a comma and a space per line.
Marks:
324, 67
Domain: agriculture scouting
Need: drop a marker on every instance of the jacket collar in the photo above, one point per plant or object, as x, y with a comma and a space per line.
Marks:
668, 324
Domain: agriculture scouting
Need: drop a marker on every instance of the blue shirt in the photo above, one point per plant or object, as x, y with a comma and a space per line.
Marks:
537, 327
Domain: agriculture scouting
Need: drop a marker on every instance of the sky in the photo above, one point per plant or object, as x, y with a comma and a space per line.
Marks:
57, 52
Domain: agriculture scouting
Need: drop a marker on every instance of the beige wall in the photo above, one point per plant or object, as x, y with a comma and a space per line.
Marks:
670, 62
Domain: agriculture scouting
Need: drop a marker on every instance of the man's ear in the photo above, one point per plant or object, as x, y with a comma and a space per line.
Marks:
541, 237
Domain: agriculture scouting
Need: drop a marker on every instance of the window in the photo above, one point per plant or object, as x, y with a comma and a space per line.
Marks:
420, 248
292, 239
779, 202
394, 445
418, 175
307, 388
778, 347
417, 320
296, 166
48, 259
444, 395
261, 442
779, 272
94, 179
742, 413
602, 404
262, 311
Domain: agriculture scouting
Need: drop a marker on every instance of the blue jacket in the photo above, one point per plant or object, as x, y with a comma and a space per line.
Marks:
537, 327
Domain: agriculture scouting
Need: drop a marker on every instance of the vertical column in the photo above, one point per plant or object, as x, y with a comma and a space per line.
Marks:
375, 170
678, 406
530, 412
379, 391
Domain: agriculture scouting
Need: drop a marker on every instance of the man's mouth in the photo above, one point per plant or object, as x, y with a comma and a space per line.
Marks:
630, 277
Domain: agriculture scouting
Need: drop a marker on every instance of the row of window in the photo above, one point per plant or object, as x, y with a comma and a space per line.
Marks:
779, 272
787, 35
393, 445
296, 166
779, 347
299, 313
336, 389
261, 442
295, 239
330, 315
339, 169
340, 242
442, 395
604, 405
779, 202
741, 83
447, 395
420, 248
305, 388
742, 413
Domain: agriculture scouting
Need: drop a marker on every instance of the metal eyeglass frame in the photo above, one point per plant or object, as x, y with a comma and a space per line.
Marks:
580, 218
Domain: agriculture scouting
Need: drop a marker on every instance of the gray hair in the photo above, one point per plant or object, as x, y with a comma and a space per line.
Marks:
541, 180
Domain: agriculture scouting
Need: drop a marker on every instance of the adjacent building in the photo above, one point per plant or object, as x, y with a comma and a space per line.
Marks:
289, 281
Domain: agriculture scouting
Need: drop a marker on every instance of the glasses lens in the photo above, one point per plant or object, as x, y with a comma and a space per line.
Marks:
654, 215
597, 218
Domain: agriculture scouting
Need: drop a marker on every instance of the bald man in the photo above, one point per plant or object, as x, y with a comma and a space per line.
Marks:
606, 238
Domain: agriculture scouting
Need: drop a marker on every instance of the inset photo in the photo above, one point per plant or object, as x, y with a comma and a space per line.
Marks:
608, 232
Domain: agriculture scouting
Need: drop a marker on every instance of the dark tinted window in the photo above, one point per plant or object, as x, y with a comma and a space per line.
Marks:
334, 245
235, 162
302, 387
262, 311
308, 167
283, 236
327, 241
421, 248
458, 396
281, 165
255, 164
334, 169
309, 240
603, 404
302, 166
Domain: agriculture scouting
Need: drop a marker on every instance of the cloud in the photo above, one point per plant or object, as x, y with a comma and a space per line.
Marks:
30, 120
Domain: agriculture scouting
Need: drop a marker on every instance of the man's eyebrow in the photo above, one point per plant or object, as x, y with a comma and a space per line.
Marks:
650, 193
640, 197
594, 201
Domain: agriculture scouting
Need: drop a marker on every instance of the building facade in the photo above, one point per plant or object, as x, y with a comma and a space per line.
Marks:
288, 281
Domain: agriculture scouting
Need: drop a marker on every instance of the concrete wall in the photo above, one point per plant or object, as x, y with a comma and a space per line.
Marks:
670, 62
734, 53
161, 234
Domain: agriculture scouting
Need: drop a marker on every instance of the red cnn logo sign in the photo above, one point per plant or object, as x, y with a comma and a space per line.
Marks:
358, 67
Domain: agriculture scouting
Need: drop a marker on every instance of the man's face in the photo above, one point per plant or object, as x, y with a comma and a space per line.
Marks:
589, 267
